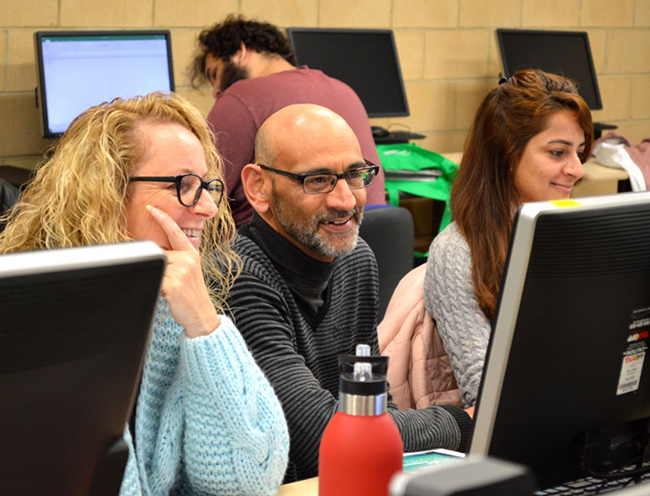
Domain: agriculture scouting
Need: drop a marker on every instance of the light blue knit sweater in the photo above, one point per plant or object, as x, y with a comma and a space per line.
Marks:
207, 420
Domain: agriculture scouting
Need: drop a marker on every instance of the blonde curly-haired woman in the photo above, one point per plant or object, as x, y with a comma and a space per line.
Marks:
207, 420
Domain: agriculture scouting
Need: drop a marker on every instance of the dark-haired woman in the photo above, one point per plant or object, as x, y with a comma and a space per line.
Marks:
528, 142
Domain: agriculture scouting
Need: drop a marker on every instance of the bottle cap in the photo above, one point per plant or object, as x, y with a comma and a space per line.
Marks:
363, 350
363, 375
362, 372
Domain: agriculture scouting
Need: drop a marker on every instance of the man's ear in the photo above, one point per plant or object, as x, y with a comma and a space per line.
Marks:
241, 56
255, 188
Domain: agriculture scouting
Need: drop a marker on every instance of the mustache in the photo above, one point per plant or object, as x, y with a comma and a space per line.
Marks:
333, 215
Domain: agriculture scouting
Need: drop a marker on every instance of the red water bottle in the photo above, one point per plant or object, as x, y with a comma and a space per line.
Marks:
361, 448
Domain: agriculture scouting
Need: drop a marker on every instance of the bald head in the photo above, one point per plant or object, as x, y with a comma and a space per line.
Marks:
306, 180
300, 130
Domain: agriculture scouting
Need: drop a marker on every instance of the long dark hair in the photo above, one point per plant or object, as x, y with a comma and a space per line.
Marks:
484, 196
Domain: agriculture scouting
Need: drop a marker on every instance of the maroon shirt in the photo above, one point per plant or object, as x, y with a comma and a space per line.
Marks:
242, 108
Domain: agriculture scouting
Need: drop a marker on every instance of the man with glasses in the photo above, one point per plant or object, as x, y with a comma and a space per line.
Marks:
309, 285
252, 70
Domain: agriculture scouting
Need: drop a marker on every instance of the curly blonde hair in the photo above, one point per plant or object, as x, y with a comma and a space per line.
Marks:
79, 195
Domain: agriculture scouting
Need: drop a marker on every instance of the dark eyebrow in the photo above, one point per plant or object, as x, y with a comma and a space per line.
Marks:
210, 72
325, 170
357, 165
315, 170
187, 170
565, 142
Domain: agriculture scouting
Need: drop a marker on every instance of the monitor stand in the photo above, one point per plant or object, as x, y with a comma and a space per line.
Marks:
599, 127
109, 471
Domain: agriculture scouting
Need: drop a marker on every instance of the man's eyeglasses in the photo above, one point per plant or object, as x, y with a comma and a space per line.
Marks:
324, 182
188, 187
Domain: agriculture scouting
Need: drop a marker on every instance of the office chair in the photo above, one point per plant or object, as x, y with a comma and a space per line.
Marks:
8, 196
15, 175
389, 232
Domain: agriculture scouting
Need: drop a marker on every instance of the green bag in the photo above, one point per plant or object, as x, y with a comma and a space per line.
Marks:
414, 170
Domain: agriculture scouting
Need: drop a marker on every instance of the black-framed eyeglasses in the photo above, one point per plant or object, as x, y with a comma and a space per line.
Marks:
188, 187
323, 182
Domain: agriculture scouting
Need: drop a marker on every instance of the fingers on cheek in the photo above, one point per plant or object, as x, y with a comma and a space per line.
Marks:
178, 233
164, 289
194, 260
179, 270
178, 257
173, 277
182, 273
171, 287
187, 266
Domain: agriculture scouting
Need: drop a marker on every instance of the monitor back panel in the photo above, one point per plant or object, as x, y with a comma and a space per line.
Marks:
566, 53
364, 59
586, 292
71, 348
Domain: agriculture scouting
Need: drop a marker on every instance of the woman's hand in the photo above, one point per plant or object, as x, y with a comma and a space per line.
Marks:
183, 283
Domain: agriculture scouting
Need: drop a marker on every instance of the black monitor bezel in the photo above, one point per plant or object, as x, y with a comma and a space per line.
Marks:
406, 112
506, 321
508, 71
71, 362
41, 93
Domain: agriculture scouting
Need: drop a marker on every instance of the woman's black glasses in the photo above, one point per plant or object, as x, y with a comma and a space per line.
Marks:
188, 187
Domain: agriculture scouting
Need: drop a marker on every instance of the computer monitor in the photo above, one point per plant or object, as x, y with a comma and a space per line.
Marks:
565, 389
79, 69
566, 53
74, 325
365, 59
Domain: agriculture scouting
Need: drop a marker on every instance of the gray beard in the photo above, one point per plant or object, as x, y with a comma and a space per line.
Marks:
309, 237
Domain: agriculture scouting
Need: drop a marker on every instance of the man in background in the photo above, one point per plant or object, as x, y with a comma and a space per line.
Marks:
251, 67
309, 285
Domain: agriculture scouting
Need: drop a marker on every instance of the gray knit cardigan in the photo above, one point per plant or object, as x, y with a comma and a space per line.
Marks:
451, 301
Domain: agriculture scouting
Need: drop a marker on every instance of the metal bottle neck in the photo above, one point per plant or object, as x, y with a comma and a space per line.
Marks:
357, 405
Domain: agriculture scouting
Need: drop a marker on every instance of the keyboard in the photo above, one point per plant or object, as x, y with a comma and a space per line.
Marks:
398, 137
591, 485
409, 175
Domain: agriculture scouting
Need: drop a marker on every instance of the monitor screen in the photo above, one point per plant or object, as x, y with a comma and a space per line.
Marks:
566, 53
365, 59
566, 388
79, 69
75, 326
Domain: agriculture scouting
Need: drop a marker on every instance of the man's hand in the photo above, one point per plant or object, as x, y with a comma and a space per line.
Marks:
183, 283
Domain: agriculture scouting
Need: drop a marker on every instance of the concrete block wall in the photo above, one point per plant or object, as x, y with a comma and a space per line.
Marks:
447, 48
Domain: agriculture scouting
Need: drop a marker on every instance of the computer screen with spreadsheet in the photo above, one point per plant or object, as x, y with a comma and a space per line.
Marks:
79, 69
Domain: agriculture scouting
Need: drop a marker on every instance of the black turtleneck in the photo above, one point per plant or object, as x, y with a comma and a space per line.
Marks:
306, 277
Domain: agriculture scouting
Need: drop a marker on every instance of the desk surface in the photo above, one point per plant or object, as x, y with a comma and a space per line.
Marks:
307, 487
412, 462
598, 180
